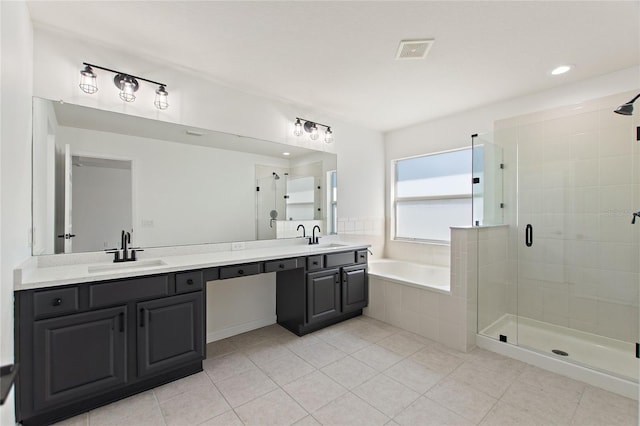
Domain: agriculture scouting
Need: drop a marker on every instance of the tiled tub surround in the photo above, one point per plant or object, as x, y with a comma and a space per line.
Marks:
446, 316
365, 372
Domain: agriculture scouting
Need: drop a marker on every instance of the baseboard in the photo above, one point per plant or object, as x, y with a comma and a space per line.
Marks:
240, 328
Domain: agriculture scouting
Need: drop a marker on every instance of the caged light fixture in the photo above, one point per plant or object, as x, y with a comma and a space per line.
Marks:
312, 128
126, 83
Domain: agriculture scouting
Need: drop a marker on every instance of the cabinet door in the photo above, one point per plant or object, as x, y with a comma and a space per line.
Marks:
323, 295
355, 288
78, 355
170, 332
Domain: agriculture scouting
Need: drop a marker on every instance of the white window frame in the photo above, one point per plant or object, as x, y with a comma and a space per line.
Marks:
394, 200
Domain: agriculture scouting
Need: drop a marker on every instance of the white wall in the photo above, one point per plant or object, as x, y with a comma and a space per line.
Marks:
16, 46
455, 132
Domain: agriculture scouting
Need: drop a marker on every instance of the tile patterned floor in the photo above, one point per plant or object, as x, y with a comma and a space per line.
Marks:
362, 372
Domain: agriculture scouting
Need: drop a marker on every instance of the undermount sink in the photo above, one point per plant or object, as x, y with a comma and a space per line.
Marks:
328, 246
125, 266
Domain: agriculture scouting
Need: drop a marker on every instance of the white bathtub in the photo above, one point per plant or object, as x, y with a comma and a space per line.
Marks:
412, 274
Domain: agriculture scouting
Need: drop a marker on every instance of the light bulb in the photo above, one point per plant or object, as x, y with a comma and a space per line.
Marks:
297, 130
88, 82
314, 133
128, 88
161, 98
328, 136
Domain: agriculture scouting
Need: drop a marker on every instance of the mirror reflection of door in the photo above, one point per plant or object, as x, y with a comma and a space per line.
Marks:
68, 197
100, 199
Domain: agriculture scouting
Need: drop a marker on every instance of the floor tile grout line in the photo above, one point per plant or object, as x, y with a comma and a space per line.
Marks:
164, 421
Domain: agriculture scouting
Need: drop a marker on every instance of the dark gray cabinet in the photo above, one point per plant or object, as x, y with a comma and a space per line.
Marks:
169, 332
86, 345
355, 288
78, 354
331, 288
323, 295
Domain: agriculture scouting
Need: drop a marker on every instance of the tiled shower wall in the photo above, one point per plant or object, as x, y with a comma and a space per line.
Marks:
446, 317
574, 174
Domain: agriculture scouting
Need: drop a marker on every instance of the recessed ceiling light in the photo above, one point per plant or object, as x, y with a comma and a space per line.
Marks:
286, 153
561, 69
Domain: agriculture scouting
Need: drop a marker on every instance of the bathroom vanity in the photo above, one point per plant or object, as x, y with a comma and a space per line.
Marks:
90, 334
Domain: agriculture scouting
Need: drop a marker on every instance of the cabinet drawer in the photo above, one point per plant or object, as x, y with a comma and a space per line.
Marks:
339, 259
211, 274
188, 281
361, 256
111, 293
280, 265
314, 263
240, 270
55, 302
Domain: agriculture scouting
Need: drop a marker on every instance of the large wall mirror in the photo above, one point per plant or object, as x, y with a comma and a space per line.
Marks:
96, 173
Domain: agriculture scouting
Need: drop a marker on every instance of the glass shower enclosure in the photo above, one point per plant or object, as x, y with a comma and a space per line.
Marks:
561, 275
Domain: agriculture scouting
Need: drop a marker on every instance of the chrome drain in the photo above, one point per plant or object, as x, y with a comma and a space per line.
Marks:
559, 352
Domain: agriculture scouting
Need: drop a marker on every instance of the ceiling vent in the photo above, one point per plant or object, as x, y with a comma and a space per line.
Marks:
414, 49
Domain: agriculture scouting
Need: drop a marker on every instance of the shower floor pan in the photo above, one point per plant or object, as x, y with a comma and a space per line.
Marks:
589, 350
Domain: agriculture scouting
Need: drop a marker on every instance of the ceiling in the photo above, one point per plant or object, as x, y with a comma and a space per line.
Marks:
339, 57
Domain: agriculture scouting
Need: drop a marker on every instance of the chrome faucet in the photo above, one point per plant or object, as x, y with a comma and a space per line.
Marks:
304, 231
313, 239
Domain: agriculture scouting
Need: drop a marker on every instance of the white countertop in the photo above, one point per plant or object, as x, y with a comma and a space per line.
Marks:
56, 270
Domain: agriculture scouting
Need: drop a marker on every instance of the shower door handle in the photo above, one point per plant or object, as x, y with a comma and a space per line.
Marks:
528, 235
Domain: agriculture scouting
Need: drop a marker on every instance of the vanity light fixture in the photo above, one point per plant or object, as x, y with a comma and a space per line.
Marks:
126, 83
311, 127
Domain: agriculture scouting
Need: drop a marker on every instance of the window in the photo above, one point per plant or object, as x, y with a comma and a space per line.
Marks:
431, 194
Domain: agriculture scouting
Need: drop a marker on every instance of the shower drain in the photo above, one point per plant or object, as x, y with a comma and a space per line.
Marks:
559, 352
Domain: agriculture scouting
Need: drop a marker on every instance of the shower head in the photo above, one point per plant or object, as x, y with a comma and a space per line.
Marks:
275, 176
627, 109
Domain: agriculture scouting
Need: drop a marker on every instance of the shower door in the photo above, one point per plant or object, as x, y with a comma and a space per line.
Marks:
270, 205
577, 185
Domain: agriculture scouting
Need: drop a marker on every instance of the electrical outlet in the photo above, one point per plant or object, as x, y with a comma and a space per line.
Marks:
237, 246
